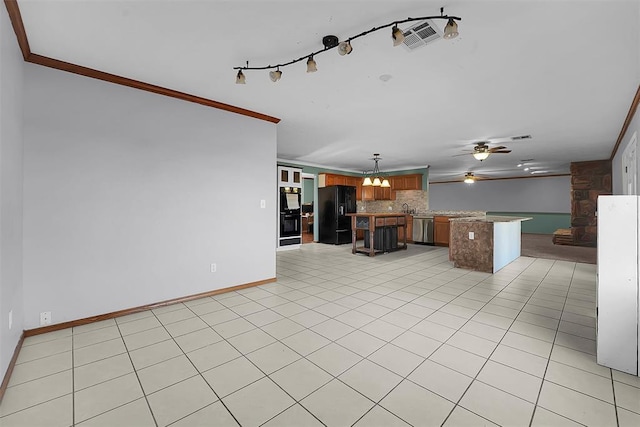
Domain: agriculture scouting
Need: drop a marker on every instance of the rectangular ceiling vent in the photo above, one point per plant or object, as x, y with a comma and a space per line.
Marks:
421, 34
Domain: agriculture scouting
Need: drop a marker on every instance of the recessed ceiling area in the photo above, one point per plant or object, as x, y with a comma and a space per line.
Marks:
517, 68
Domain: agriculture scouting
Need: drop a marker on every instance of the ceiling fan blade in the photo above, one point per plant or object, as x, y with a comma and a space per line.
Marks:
501, 152
494, 149
463, 154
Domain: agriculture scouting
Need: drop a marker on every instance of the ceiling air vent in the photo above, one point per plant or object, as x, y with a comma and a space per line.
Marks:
421, 34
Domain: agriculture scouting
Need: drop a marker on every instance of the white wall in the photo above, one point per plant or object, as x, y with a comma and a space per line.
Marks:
551, 195
130, 196
11, 288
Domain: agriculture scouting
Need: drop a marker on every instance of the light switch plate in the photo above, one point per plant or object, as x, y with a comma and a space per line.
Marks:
472, 235
263, 204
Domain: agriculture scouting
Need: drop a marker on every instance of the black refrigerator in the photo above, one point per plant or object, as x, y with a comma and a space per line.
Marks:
334, 202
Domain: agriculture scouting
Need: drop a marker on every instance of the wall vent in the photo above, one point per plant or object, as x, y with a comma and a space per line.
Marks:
421, 34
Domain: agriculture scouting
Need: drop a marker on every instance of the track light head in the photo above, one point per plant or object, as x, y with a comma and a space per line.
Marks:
451, 30
344, 48
397, 36
240, 78
275, 75
312, 67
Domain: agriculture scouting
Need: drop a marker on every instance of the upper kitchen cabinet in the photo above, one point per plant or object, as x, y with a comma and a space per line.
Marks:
289, 177
406, 182
399, 182
327, 179
382, 193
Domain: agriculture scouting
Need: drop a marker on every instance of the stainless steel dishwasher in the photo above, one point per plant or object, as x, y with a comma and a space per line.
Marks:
423, 230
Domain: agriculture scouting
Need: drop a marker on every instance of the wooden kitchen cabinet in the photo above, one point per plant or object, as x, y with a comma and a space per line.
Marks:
400, 182
406, 182
408, 229
327, 179
441, 230
367, 193
381, 193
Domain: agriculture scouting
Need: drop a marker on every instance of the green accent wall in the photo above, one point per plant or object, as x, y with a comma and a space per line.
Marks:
307, 190
541, 222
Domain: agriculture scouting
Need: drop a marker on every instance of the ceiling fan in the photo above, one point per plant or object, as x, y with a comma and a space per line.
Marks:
481, 150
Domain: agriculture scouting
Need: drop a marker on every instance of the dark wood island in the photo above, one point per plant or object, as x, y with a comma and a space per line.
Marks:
381, 232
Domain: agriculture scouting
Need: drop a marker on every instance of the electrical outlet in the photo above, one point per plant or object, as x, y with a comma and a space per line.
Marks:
472, 235
263, 204
214, 267
10, 319
45, 318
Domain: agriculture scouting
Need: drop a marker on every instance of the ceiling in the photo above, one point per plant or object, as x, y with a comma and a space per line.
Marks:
564, 72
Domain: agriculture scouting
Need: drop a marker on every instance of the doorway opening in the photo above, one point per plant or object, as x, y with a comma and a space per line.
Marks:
308, 207
629, 167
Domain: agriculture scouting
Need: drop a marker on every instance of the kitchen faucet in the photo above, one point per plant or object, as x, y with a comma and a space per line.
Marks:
405, 208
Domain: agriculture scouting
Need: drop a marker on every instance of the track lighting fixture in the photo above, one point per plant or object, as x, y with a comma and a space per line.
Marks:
312, 67
450, 30
397, 36
275, 75
344, 48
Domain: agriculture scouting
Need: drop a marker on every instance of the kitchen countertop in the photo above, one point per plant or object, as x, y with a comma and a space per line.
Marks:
491, 218
378, 214
453, 214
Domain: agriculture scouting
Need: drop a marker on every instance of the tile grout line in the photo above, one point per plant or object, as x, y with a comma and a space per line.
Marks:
153, 416
615, 404
73, 382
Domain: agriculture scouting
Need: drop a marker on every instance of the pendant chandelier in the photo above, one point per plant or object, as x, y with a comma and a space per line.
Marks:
375, 178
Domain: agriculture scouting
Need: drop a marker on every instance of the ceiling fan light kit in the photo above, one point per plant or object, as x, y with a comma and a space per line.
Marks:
344, 48
469, 178
481, 155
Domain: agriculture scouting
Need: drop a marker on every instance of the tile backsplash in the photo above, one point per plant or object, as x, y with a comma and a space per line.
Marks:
416, 199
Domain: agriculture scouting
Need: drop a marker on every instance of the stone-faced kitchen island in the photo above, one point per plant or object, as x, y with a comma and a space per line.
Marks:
485, 243
381, 232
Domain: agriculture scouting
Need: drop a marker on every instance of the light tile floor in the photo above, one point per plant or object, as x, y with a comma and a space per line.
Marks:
340, 340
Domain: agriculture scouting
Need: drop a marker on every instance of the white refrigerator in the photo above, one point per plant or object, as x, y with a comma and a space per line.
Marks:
618, 289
